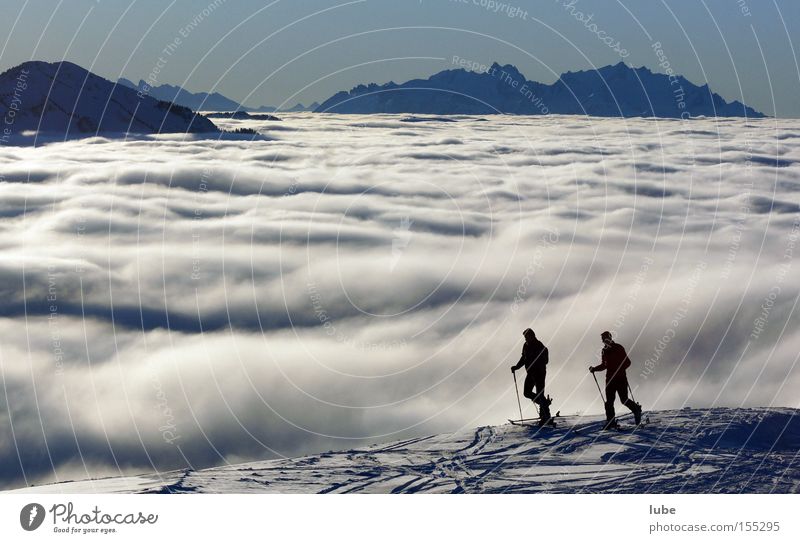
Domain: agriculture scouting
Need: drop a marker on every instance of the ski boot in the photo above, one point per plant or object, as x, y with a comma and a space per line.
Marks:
637, 413
544, 412
611, 424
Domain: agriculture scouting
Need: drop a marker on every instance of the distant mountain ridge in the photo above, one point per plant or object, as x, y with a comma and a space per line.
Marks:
198, 101
300, 107
63, 98
611, 91
204, 101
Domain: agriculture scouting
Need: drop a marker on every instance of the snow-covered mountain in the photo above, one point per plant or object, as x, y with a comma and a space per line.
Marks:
690, 450
64, 98
611, 91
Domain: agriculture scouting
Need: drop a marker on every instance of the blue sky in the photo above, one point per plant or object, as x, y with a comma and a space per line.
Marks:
289, 51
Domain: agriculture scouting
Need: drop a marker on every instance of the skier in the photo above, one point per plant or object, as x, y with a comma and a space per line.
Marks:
615, 361
535, 357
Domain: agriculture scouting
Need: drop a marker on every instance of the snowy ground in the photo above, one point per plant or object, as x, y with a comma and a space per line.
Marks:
176, 301
686, 451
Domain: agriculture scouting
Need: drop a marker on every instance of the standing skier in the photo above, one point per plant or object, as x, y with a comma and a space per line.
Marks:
535, 357
615, 361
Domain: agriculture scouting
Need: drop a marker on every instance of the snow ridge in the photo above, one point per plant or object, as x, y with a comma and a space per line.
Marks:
716, 450
63, 98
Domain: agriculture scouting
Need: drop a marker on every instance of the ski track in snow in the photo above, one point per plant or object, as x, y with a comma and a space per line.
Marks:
687, 451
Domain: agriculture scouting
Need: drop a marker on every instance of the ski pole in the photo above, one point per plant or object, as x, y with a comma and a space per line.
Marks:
598, 388
517, 389
631, 391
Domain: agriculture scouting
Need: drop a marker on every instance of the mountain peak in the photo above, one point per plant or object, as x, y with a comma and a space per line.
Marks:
64, 98
508, 70
616, 90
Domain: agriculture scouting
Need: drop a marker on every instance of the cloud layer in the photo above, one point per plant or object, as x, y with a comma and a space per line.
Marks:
173, 301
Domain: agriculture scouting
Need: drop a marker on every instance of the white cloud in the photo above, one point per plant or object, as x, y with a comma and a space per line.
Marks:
354, 281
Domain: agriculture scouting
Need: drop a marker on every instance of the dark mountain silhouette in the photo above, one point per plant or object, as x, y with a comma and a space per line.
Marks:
64, 98
261, 109
242, 116
612, 91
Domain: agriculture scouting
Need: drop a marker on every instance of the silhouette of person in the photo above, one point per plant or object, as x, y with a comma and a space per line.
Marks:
534, 357
614, 360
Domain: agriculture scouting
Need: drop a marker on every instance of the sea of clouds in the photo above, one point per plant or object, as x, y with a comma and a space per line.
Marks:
175, 301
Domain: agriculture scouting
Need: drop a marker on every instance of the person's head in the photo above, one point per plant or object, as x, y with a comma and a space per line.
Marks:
606, 337
528, 334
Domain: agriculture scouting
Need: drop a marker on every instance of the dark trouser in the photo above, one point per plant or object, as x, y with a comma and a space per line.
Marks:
535, 378
614, 387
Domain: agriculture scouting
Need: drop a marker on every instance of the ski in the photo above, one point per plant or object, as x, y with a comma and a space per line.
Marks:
551, 421
535, 425
631, 427
535, 422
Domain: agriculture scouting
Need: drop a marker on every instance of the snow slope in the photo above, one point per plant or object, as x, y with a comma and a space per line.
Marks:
63, 98
688, 451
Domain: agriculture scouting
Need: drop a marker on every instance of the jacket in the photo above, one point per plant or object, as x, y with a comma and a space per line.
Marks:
534, 356
615, 361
